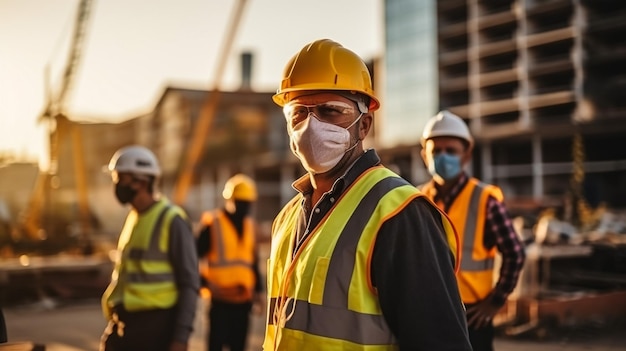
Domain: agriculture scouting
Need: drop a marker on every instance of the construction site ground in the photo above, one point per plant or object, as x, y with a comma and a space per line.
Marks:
77, 325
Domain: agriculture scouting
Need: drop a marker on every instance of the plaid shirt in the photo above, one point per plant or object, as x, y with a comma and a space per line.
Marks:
498, 231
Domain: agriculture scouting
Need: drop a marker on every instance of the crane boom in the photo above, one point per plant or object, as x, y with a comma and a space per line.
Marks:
55, 104
80, 30
203, 126
53, 116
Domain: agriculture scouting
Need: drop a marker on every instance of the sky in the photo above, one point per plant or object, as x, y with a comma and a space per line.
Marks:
133, 49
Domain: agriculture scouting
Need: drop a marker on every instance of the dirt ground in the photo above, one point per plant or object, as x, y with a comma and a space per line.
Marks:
77, 327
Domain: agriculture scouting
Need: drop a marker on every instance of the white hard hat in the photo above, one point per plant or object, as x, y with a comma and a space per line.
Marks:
135, 159
446, 123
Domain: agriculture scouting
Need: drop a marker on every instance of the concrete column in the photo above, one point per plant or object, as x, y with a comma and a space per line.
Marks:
582, 112
487, 163
473, 57
418, 171
537, 168
522, 66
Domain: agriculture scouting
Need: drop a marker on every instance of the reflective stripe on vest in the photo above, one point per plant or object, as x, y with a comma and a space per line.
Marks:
149, 276
347, 310
468, 212
333, 323
143, 278
468, 263
229, 273
152, 253
221, 259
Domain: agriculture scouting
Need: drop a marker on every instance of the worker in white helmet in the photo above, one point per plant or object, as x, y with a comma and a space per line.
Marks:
151, 301
228, 246
481, 220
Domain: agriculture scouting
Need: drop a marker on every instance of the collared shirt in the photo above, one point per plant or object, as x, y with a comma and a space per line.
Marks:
411, 267
498, 231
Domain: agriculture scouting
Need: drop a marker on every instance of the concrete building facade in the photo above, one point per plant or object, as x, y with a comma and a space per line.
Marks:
542, 85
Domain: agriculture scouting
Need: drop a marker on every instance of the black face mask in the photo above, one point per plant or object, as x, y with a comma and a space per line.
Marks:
124, 193
242, 208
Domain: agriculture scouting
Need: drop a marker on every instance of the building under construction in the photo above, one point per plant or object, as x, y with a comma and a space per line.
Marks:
543, 87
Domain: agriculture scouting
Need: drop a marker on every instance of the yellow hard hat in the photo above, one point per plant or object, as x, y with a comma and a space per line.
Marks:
240, 187
325, 65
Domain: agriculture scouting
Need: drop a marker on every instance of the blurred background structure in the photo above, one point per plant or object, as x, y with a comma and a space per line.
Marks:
541, 83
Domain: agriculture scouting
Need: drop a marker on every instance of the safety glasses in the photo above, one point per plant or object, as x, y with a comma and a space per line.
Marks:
335, 112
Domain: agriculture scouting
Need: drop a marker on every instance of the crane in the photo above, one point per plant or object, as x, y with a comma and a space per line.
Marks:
203, 126
60, 128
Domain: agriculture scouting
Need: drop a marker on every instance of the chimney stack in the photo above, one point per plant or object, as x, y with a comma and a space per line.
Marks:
246, 71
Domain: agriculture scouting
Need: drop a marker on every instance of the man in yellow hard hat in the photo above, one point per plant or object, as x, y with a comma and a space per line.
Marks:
227, 241
151, 301
360, 259
482, 222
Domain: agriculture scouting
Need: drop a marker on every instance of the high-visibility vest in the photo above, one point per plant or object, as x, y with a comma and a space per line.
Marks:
229, 273
468, 212
321, 296
143, 277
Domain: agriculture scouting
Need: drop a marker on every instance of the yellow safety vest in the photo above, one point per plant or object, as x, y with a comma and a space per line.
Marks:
468, 212
143, 278
229, 272
321, 296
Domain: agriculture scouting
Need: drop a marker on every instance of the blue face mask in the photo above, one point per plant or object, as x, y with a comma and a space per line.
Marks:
446, 166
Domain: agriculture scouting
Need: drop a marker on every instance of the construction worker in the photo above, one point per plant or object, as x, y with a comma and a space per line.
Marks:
227, 241
151, 301
482, 222
360, 259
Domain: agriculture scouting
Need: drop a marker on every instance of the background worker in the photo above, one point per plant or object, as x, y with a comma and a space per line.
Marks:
482, 222
151, 301
227, 241
359, 258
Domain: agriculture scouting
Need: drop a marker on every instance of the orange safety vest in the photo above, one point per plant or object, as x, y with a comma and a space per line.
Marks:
229, 273
468, 213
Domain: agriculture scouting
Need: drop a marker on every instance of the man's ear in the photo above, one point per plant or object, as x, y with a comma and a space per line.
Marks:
365, 125
467, 155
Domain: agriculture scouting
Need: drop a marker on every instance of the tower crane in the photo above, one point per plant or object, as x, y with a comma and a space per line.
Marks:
60, 128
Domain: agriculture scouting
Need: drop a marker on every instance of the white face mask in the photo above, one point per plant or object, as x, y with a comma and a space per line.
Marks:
320, 145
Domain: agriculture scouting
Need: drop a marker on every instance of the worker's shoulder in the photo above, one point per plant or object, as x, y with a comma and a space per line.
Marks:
173, 211
421, 208
479, 183
490, 189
